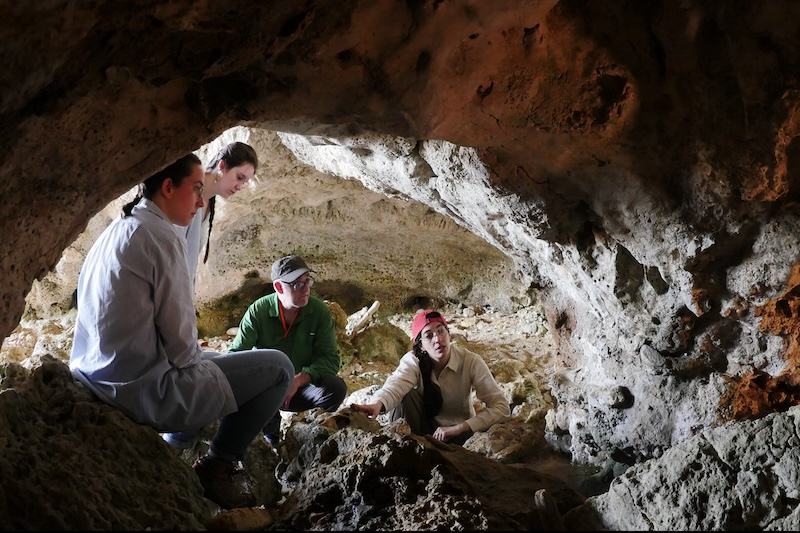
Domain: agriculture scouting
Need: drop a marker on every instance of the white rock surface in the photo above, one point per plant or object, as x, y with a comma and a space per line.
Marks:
743, 475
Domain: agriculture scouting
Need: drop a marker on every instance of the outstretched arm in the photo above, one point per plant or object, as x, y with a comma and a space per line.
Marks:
370, 409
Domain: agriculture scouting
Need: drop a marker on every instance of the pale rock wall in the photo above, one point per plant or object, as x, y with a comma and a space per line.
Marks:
741, 476
363, 245
614, 299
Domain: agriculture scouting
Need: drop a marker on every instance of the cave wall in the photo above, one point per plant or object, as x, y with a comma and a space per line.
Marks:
362, 245
646, 154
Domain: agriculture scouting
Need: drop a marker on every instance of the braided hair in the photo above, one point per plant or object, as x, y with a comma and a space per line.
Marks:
234, 155
178, 170
431, 392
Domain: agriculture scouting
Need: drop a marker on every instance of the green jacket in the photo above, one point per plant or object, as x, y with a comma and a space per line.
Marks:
310, 345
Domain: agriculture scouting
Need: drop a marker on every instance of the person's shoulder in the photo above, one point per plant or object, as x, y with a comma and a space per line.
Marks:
268, 301
161, 231
132, 232
318, 305
410, 359
464, 353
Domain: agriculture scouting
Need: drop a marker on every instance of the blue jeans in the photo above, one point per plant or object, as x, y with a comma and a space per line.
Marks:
259, 380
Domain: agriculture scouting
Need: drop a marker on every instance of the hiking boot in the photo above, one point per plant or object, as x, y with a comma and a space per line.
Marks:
220, 483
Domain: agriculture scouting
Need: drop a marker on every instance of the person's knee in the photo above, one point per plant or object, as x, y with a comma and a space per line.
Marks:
277, 360
337, 390
287, 367
276, 364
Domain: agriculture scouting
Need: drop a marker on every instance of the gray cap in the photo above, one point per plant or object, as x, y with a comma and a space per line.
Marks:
289, 268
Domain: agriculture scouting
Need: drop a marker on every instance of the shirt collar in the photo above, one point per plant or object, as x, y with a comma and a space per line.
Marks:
455, 361
149, 205
272, 309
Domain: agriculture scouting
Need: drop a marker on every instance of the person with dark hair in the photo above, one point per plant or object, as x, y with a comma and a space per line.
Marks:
135, 343
432, 385
301, 325
230, 170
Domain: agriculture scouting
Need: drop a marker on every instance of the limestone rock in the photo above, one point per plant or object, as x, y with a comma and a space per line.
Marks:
72, 462
513, 441
382, 342
245, 519
634, 161
360, 319
357, 478
362, 245
742, 475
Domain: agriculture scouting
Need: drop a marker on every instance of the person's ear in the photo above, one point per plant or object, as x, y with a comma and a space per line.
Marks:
222, 166
278, 287
167, 188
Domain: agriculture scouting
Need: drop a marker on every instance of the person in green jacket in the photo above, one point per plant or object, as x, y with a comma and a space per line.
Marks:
301, 326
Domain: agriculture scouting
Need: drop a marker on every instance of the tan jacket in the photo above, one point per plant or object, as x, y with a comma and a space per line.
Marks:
464, 372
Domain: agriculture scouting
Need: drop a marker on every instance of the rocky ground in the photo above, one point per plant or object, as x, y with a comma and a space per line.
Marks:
516, 346
70, 461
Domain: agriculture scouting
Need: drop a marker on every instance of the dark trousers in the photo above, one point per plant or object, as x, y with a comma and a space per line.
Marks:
412, 408
327, 393
259, 380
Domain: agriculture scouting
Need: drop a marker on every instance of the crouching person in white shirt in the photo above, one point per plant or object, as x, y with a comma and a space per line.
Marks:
135, 342
431, 387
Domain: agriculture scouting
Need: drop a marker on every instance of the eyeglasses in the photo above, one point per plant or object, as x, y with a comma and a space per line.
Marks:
300, 285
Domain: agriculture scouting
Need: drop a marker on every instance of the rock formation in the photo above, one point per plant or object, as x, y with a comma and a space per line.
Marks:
348, 475
638, 162
363, 246
72, 462
741, 476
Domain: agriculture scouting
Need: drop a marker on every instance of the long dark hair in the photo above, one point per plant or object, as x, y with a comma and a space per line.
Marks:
431, 393
234, 154
178, 170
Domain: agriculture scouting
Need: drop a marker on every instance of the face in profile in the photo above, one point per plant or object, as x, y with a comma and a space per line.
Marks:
234, 179
187, 198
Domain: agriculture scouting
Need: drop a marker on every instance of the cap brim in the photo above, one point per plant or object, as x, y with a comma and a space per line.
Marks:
294, 274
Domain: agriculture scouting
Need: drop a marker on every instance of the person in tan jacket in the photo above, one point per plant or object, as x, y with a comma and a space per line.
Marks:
431, 386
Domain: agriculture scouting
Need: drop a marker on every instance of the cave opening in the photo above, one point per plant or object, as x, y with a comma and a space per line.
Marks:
601, 196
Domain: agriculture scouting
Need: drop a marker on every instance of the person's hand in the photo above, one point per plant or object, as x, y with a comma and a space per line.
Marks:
300, 380
370, 409
445, 433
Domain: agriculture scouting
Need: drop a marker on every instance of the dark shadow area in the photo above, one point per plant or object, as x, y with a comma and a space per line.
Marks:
349, 295
217, 316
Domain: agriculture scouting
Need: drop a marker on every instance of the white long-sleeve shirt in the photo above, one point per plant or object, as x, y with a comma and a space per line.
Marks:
195, 236
464, 371
135, 340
